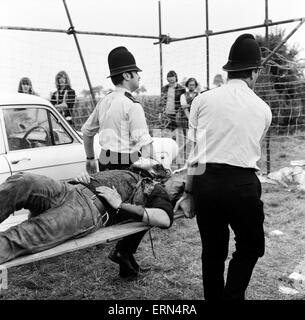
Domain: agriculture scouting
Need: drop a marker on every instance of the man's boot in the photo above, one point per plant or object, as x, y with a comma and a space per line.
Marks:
126, 268
136, 265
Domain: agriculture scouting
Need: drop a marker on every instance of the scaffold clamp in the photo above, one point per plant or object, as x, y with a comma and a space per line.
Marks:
70, 30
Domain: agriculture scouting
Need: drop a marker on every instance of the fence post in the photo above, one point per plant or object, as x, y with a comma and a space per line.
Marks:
268, 156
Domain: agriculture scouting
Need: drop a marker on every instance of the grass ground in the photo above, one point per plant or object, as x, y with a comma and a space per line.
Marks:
176, 272
282, 151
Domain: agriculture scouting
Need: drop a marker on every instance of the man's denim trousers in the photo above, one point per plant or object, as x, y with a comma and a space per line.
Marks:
59, 211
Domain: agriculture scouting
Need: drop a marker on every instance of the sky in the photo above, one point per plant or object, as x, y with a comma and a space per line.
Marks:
40, 55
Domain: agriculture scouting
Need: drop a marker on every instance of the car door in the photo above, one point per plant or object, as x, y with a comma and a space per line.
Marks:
38, 140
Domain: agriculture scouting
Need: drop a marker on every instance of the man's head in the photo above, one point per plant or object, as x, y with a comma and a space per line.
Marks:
218, 80
129, 80
123, 68
173, 184
155, 169
244, 59
172, 77
191, 84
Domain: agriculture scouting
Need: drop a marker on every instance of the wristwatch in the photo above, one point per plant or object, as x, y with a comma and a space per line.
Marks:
90, 158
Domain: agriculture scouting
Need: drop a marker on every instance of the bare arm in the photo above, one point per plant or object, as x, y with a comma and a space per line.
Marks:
89, 129
157, 217
89, 146
186, 202
152, 216
148, 151
89, 149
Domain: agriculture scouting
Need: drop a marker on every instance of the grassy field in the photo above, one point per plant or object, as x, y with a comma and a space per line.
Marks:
176, 270
282, 151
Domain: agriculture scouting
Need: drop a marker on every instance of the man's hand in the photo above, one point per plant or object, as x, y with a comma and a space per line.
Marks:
186, 203
84, 177
111, 195
91, 166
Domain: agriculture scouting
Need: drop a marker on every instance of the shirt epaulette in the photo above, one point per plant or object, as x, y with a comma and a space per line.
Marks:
131, 97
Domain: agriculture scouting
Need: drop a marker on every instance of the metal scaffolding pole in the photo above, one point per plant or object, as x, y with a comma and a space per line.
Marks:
92, 33
160, 47
268, 156
80, 53
236, 30
207, 42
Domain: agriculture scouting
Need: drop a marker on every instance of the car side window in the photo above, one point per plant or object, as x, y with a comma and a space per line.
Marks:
61, 136
33, 128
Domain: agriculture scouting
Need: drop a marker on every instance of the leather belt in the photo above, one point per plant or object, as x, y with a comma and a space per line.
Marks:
96, 201
224, 165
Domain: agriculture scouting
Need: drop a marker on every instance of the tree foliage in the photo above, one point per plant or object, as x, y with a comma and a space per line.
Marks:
282, 84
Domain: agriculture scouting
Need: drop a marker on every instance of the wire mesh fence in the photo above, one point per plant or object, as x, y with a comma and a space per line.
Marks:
279, 87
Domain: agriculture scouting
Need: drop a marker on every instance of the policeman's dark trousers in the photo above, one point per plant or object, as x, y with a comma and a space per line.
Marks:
228, 196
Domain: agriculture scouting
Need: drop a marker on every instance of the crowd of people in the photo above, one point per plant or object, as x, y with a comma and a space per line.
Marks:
225, 125
175, 103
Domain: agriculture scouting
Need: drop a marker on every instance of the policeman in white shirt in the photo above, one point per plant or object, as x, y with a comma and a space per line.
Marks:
123, 135
227, 125
118, 119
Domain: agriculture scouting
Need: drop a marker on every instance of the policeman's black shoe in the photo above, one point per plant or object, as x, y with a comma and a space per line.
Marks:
123, 261
136, 265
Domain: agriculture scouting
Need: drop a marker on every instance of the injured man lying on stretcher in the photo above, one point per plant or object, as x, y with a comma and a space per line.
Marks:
64, 210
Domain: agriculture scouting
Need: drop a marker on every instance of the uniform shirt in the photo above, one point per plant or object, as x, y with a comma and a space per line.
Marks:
227, 124
120, 122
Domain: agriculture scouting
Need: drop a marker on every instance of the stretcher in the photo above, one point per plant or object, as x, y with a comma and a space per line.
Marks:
102, 236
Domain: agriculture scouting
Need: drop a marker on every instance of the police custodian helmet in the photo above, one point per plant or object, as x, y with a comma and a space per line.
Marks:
245, 54
120, 60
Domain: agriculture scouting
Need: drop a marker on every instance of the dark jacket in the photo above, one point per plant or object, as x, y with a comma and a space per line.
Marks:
179, 90
68, 96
